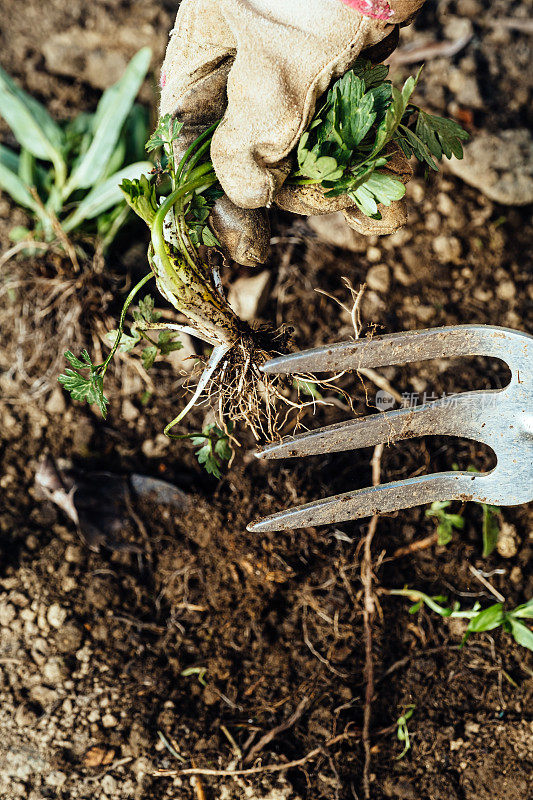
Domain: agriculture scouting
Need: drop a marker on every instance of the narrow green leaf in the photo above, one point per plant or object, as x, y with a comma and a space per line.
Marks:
105, 195
524, 611
488, 619
16, 188
50, 129
111, 113
490, 529
521, 633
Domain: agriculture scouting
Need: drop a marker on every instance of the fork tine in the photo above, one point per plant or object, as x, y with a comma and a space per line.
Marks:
384, 498
403, 348
457, 417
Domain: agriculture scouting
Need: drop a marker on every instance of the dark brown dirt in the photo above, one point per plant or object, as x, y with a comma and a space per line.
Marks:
207, 633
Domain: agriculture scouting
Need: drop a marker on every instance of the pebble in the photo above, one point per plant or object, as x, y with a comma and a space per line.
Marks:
248, 295
109, 785
43, 695
507, 545
109, 721
7, 614
56, 778
499, 165
54, 671
69, 638
155, 448
332, 229
447, 249
73, 554
378, 278
506, 290
56, 615
56, 403
129, 411
373, 254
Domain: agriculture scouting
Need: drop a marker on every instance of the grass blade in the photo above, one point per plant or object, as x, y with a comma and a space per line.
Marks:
113, 108
38, 112
106, 195
13, 185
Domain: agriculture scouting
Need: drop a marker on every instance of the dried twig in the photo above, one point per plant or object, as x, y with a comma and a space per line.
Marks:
368, 613
481, 578
283, 726
222, 773
414, 547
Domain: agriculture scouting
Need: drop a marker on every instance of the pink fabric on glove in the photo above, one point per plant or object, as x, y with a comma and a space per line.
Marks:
377, 9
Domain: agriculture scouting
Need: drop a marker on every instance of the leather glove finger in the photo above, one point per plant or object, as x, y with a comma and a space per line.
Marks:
193, 88
310, 200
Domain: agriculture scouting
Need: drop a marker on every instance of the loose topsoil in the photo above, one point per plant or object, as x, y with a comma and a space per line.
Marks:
171, 637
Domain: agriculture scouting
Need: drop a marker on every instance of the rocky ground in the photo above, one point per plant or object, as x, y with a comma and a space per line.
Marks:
159, 634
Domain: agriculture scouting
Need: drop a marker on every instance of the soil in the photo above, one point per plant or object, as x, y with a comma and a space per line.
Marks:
167, 636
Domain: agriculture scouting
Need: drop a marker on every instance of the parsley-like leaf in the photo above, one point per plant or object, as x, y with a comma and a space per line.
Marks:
215, 448
89, 388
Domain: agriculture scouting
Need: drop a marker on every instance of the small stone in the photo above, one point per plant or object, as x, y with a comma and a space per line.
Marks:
56, 615
68, 584
506, 290
54, 671
24, 716
109, 785
472, 728
247, 296
93, 716
109, 721
378, 278
507, 545
447, 249
155, 448
56, 402
69, 638
129, 412
373, 254
516, 577
73, 554
332, 229
32, 542
56, 778
7, 614
43, 695
499, 165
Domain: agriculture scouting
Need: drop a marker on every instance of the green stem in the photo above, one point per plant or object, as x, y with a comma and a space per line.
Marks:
204, 177
103, 367
192, 148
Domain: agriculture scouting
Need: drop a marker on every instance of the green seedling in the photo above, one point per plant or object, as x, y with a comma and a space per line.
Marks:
402, 731
487, 619
353, 135
345, 150
446, 522
215, 448
199, 671
68, 174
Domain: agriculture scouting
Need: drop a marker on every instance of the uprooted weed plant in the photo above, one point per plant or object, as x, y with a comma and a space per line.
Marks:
67, 175
362, 122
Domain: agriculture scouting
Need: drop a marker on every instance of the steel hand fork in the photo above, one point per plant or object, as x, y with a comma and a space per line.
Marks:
501, 419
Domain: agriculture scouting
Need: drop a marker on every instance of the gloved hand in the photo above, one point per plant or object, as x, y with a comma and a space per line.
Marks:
261, 65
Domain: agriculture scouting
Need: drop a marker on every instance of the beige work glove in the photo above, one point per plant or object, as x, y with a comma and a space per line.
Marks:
261, 66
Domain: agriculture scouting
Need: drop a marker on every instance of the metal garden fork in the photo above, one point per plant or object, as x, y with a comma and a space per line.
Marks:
501, 419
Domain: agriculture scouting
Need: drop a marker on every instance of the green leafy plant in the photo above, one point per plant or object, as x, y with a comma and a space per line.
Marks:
215, 448
402, 731
353, 135
344, 150
490, 528
67, 174
488, 619
446, 522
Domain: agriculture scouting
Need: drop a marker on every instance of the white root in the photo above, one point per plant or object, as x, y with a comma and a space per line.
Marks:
214, 360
